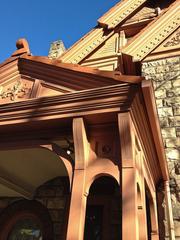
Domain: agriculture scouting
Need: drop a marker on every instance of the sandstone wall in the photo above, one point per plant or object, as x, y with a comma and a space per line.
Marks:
165, 74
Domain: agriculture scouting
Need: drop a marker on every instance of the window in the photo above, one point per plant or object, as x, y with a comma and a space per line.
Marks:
26, 229
26, 220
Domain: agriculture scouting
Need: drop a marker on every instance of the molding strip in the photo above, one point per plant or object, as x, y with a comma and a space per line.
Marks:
154, 34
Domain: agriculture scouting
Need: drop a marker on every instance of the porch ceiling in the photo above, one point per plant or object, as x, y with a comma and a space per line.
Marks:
22, 171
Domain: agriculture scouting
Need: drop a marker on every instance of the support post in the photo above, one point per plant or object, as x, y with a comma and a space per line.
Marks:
169, 211
154, 219
129, 186
75, 229
142, 214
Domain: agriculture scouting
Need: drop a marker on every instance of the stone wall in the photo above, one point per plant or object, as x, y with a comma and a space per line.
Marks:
165, 74
54, 196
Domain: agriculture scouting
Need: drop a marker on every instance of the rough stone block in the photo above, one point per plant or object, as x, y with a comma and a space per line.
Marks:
165, 111
176, 111
46, 192
164, 122
56, 215
55, 203
173, 154
161, 93
164, 85
174, 121
159, 77
174, 101
178, 131
162, 68
173, 142
169, 132
176, 83
174, 92
159, 103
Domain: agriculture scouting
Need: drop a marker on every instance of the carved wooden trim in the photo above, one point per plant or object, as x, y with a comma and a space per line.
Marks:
98, 35
99, 100
155, 33
119, 13
85, 46
18, 90
174, 41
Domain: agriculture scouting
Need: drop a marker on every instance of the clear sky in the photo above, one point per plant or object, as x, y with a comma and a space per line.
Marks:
44, 21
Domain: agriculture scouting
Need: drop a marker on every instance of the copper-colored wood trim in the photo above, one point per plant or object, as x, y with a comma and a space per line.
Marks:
149, 99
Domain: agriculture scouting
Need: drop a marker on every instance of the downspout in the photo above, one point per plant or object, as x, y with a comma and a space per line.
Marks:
169, 211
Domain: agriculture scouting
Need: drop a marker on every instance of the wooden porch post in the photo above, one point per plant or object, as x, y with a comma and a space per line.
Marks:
143, 224
75, 229
129, 186
154, 219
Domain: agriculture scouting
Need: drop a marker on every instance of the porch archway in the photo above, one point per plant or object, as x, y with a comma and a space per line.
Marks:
103, 212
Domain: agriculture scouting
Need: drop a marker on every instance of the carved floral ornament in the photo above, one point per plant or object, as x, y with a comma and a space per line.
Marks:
174, 41
18, 90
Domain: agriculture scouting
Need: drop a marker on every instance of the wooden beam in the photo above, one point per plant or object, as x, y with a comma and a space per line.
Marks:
16, 187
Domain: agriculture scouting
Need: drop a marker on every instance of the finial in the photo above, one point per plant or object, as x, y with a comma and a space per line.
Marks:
22, 47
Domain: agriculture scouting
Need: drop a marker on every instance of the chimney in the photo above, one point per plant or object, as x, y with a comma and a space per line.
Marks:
57, 48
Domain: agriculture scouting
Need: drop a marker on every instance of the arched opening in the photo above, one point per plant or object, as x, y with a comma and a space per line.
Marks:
103, 213
38, 174
148, 215
26, 219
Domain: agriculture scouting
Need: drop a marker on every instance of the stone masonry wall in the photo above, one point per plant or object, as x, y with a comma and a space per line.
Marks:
54, 196
165, 74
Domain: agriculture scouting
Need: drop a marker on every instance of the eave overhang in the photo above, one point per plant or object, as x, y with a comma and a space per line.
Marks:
103, 101
82, 103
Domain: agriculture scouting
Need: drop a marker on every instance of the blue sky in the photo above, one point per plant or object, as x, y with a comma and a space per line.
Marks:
44, 21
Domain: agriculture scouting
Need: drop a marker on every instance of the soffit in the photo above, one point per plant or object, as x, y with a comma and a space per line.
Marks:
28, 169
154, 34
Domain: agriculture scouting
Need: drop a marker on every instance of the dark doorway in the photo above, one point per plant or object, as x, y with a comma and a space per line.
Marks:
94, 220
148, 217
103, 215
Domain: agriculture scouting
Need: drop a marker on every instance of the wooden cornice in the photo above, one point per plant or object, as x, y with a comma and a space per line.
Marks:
149, 100
99, 100
72, 76
154, 34
88, 72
